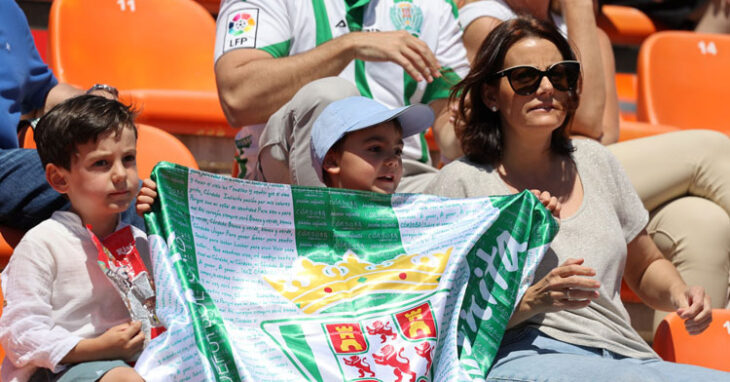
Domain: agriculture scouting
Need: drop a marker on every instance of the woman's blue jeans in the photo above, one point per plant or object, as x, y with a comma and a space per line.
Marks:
528, 355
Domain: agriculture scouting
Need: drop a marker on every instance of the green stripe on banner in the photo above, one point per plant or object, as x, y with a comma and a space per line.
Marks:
211, 337
328, 224
511, 237
297, 342
324, 33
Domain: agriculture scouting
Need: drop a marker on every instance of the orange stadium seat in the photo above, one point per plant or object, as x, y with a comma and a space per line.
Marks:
625, 25
155, 145
710, 349
626, 89
9, 238
158, 53
683, 80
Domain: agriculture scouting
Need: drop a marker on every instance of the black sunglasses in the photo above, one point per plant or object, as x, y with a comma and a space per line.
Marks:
525, 80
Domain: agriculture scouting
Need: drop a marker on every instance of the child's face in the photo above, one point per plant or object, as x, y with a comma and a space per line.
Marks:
368, 159
102, 180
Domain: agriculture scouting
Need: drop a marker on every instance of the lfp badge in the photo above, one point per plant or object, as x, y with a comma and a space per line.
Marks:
407, 16
242, 26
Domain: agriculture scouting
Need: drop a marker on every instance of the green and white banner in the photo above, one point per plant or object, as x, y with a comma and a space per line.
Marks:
268, 282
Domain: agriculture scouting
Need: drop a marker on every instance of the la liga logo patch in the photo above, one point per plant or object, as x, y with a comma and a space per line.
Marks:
241, 23
242, 28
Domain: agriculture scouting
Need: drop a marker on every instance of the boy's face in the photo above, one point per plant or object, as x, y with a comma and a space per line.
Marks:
368, 159
102, 180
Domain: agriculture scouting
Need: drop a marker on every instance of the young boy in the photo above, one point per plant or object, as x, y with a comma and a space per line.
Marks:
63, 318
356, 144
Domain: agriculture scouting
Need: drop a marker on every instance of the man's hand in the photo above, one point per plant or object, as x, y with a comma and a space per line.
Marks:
399, 47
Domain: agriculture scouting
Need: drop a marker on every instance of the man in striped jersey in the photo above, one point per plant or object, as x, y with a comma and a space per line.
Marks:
275, 60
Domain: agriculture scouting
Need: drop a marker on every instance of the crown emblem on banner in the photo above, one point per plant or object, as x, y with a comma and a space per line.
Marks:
314, 286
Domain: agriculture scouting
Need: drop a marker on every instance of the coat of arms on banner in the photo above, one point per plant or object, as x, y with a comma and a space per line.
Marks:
394, 333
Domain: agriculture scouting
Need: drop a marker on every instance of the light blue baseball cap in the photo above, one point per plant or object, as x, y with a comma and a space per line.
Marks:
356, 113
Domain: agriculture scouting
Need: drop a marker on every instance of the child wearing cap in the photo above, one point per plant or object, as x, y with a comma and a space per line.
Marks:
356, 144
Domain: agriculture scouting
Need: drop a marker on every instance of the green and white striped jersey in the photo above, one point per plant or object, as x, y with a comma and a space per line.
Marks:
288, 27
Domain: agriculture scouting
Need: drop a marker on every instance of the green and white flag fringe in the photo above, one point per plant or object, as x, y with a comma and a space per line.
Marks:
268, 282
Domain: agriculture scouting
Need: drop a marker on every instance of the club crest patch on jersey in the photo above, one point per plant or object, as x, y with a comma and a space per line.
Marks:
407, 16
242, 28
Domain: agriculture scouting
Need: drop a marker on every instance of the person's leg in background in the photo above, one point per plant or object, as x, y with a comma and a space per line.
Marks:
285, 152
668, 166
694, 234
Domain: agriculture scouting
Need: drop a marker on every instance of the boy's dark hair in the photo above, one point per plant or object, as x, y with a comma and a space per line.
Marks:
337, 147
77, 121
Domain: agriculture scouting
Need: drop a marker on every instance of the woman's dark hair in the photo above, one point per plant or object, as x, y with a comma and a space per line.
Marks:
481, 132
76, 121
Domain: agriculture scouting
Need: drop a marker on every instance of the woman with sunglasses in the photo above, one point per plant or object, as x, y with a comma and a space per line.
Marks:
570, 325
681, 177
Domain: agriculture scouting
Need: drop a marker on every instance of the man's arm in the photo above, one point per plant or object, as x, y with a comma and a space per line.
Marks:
582, 30
476, 32
60, 93
252, 84
611, 118
444, 132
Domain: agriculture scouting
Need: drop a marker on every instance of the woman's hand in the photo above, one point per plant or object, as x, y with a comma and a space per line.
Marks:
568, 286
146, 197
550, 202
693, 306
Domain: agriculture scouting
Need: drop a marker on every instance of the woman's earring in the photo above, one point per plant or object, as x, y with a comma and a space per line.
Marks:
494, 109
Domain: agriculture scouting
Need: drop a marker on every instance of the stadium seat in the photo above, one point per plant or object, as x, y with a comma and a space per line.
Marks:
626, 89
625, 25
628, 295
710, 349
9, 238
153, 145
683, 80
158, 53
40, 38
